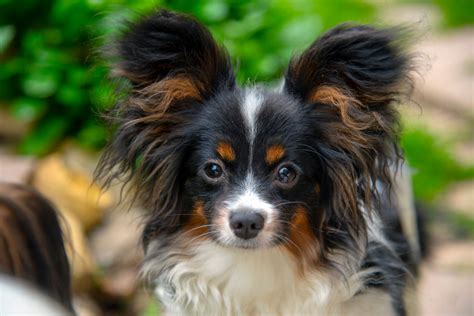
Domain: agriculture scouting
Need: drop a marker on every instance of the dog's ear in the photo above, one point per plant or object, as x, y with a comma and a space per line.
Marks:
174, 67
173, 55
349, 79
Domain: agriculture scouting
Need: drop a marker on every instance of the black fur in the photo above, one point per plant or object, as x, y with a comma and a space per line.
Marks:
335, 119
363, 61
360, 141
150, 151
168, 44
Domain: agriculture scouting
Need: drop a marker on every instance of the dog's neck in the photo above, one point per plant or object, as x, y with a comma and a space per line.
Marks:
208, 279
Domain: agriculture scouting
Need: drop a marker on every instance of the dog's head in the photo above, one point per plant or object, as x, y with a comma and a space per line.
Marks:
245, 166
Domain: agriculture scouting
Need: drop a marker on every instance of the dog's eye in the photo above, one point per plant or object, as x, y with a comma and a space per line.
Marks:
286, 175
213, 170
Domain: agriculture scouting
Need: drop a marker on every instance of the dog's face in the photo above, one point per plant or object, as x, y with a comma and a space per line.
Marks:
248, 171
248, 167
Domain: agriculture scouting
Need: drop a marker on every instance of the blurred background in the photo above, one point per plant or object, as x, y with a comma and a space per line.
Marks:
53, 84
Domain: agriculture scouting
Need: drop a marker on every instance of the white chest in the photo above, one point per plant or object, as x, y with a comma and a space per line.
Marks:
222, 281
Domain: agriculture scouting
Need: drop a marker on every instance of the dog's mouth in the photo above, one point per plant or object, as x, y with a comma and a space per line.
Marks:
241, 244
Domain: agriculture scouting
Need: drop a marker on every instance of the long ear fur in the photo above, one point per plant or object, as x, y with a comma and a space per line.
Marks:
349, 79
174, 66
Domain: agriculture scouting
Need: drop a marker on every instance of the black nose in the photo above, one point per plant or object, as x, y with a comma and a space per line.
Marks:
246, 225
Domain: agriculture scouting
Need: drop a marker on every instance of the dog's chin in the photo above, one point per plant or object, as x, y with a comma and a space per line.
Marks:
243, 244
239, 243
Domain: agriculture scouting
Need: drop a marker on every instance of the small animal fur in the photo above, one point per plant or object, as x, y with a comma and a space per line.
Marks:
31, 243
265, 202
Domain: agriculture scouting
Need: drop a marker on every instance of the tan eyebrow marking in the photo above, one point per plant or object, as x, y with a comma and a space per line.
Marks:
225, 150
274, 153
317, 188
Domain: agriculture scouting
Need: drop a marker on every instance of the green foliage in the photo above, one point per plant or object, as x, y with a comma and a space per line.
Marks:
463, 223
52, 75
457, 13
48, 74
152, 309
261, 35
433, 163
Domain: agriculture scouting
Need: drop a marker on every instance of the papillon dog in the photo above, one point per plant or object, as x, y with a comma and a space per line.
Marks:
34, 268
261, 201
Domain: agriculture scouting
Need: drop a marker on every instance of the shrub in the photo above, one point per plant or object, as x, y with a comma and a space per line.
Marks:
53, 77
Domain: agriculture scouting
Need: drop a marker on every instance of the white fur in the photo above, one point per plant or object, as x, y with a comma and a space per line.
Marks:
249, 197
250, 108
246, 199
209, 279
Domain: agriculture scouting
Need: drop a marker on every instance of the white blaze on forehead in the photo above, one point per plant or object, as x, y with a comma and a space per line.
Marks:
250, 108
249, 198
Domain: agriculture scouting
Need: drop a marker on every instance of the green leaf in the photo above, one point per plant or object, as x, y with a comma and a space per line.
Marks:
293, 36
28, 109
93, 135
44, 137
7, 32
40, 84
72, 97
152, 309
457, 13
215, 10
433, 163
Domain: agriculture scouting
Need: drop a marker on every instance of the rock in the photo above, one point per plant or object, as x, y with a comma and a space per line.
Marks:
82, 205
11, 128
16, 169
71, 190
85, 306
393, 12
445, 293
447, 281
454, 256
448, 84
464, 151
121, 283
80, 258
460, 198
117, 241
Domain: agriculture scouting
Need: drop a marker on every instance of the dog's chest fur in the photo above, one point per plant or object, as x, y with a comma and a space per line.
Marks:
213, 280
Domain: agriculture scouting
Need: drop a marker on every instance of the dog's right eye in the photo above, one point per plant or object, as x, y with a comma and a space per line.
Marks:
213, 170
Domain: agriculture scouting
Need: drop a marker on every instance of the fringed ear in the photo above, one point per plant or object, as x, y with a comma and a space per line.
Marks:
173, 54
349, 80
174, 66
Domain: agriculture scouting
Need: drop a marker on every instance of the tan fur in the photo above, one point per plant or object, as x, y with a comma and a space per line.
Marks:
301, 237
156, 98
196, 225
317, 188
350, 136
343, 101
225, 151
274, 154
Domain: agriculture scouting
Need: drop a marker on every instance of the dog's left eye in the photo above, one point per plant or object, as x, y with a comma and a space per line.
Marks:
213, 170
286, 175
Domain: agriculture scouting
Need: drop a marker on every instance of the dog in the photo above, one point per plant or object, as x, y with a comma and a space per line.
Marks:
267, 202
34, 268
